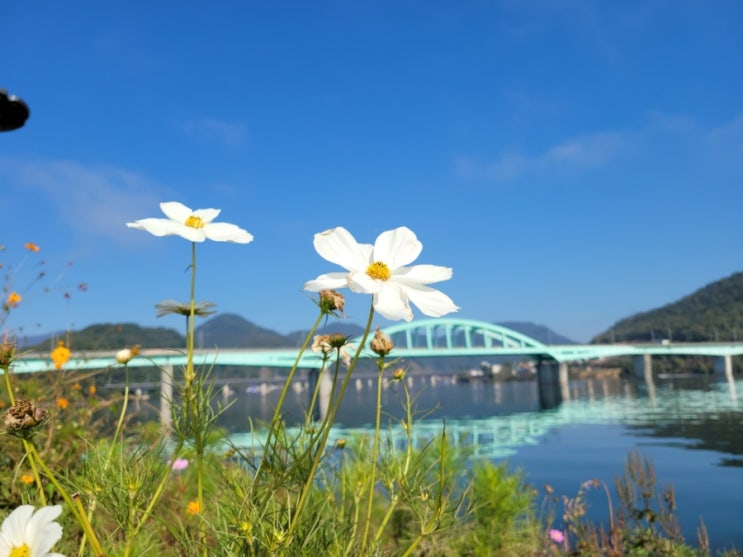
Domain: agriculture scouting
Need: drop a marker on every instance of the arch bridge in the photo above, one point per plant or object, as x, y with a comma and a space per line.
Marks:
442, 337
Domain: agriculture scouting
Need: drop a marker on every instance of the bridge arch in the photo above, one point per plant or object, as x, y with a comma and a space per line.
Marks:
452, 333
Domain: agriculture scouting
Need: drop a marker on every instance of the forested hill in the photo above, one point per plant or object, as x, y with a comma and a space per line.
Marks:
713, 313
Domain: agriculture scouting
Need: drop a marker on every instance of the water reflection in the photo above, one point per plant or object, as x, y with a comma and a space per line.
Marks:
496, 418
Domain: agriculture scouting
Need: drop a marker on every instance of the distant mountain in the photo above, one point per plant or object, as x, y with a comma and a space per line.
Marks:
712, 313
113, 336
229, 330
25, 341
541, 333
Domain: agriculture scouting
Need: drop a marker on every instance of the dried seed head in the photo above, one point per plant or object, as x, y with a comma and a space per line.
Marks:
332, 300
381, 343
23, 417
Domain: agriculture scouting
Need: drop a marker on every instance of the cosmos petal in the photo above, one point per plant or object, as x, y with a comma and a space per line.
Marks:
338, 246
392, 303
359, 281
429, 301
206, 215
156, 227
43, 530
397, 247
14, 525
225, 232
176, 211
327, 281
423, 274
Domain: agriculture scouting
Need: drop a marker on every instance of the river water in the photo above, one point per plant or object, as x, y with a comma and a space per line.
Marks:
691, 428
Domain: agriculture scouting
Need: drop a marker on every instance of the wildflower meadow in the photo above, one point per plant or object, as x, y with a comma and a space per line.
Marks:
80, 478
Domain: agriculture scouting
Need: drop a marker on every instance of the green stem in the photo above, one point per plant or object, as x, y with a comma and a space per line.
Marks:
8, 386
279, 405
117, 432
375, 452
122, 415
195, 400
74, 507
330, 421
192, 314
408, 457
26, 444
325, 421
158, 493
416, 542
315, 392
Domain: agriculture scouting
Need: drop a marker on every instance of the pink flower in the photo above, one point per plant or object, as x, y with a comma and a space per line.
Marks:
557, 536
180, 464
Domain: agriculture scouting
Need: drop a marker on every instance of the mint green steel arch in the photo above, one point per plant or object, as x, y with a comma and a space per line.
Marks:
453, 333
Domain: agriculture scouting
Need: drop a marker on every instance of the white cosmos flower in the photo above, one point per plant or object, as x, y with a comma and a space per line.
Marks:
30, 534
196, 226
380, 270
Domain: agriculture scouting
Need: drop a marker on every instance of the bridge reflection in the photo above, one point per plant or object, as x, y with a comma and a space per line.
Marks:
593, 401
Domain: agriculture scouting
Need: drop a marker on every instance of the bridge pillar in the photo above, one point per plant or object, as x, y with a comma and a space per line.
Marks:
552, 382
166, 397
319, 381
724, 366
643, 365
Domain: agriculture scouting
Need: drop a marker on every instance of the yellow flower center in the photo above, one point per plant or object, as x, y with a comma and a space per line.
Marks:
20, 551
194, 222
378, 270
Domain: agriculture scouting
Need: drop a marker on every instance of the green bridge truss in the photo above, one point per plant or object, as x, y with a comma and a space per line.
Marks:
429, 338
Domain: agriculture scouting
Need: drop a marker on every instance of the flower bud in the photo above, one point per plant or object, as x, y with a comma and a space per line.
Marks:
7, 352
331, 300
124, 356
398, 374
337, 340
381, 343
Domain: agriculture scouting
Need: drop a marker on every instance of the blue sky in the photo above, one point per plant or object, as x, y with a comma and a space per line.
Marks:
574, 162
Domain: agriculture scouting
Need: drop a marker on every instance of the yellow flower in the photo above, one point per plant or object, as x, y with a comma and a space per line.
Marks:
27, 479
76, 386
193, 508
32, 247
60, 355
91, 390
62, 403
14, 298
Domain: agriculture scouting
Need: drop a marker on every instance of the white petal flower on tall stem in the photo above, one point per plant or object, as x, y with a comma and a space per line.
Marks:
30, 534
381, 270
194, 225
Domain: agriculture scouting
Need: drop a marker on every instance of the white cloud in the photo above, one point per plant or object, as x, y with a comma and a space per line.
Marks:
664, 140
578, 153
94, 201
